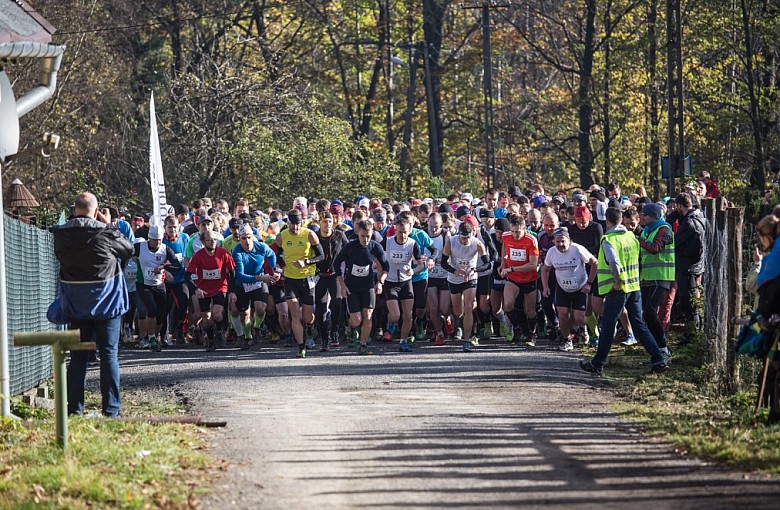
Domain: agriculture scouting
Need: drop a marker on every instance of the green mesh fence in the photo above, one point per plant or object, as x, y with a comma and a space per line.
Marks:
32, 274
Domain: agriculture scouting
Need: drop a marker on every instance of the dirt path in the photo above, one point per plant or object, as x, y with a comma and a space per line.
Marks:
498, 428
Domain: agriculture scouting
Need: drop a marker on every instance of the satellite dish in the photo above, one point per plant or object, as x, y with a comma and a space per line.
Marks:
9, 135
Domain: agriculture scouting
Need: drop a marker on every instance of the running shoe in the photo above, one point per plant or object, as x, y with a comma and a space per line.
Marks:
324, 348
505, 330
439, 339
144, 343
310, 343
458, 334
387, 337
487, 331
583, 336
301, 353
449, 326
363, 351
659, 368
211, 346
179, 337
629, 341
243, 343
467, 347
219, 339
404, 346
566, 345
354, 334
288, 341
531, 342
154, 344
419, 333
474, 340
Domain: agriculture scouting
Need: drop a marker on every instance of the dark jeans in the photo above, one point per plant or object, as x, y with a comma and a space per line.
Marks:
614, 302
652, 295
106, 334
686, 286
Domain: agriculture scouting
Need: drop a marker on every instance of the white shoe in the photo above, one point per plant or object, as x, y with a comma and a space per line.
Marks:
566, 346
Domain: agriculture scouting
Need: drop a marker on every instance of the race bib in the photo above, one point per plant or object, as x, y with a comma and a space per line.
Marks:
463, 264
312, 281
212, 274
130, 274
568, 284
438, 272
249, 287
518, 254
179, 256
397, 256
149, 273
360, 271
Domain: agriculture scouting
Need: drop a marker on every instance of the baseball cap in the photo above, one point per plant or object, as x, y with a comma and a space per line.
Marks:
182, 209
154, 233
559, 199
364, 202
245, 217
579, 197
203, 218
475, 202
583, 212
598, 195
470, 219
336, 208
467, 196
257, 212
561, 231
515, 191
427, 200
234, 223
486, 213
336, 202
462, 211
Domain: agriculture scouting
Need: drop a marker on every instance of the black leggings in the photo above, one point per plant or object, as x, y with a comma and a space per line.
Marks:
327, 285
652, 295
178, 301
154, 301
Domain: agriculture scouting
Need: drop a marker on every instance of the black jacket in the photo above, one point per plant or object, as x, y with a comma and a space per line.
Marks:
689, 243
88, 250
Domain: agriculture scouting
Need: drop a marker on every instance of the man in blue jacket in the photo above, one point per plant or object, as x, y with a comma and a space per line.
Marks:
93, 297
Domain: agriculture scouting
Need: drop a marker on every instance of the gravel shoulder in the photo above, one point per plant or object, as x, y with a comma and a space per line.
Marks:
500, 427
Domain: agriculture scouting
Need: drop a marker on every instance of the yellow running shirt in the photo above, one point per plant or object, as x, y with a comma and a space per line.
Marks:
296, 247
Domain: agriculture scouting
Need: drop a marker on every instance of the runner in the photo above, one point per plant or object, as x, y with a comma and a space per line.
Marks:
403, 254
519, 263
177, 292
573, 284
501, 321
327, 297
252, 279
215, 271
153, 258
438, 293
358, 287
301, 250
487, 220
460, 259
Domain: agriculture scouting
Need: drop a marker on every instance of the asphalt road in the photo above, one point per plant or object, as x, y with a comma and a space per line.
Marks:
497, 428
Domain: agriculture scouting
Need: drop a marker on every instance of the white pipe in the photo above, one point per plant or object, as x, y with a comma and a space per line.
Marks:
52, 57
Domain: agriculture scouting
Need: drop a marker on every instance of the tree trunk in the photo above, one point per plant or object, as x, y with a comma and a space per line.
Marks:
433, 18
652, 59
758, 175
585, 105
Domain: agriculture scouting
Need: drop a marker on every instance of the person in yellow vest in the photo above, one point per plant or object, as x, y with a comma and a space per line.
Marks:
617, 278
656, 269
301, 250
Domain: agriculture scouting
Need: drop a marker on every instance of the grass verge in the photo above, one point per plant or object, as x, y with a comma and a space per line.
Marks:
680, 406
108, 464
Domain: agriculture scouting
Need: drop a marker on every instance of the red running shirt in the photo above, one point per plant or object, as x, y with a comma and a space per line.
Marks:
518, 253
212, 271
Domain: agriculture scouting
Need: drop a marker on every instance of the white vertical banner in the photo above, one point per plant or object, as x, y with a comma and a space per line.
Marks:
160, 204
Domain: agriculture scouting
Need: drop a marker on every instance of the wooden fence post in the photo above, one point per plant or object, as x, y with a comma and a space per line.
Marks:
735, 221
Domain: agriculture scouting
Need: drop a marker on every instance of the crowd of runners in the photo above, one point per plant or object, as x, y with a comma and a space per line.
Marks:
570, 267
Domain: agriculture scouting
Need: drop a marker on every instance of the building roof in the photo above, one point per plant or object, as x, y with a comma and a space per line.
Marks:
19, 22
